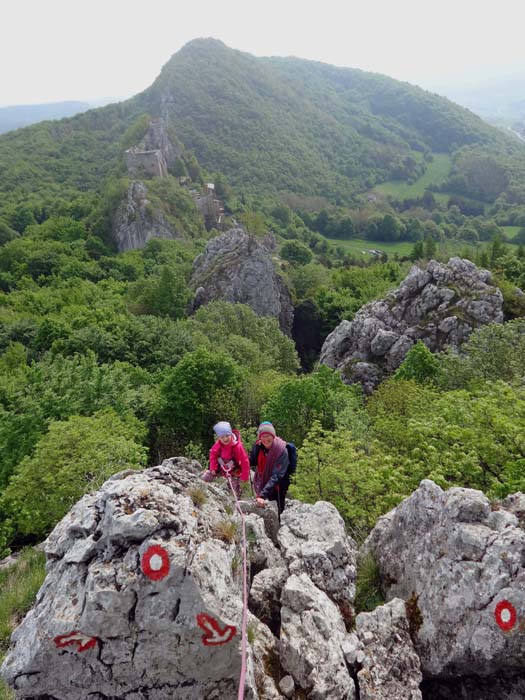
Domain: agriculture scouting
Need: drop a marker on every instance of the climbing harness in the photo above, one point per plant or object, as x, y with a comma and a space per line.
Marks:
242, 677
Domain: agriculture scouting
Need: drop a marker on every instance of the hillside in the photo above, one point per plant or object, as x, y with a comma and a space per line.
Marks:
270, 125
291, 124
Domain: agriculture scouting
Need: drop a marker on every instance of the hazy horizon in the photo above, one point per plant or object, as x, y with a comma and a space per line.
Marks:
80, 52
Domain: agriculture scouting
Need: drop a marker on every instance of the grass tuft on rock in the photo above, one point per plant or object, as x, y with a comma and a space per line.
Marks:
368, 593
19, 585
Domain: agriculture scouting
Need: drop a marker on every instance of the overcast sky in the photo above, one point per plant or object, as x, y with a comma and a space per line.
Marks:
54, 50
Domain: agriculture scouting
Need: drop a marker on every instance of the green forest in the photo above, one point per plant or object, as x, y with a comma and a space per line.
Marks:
103, 365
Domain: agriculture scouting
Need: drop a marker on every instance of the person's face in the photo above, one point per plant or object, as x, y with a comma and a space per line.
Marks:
267, 440
225, 439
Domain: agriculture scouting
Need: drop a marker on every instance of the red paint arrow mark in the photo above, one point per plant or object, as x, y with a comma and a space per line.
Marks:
82, 641
155, 562
505, 614
213, 633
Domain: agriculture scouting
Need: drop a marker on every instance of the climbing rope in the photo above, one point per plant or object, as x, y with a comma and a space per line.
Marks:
242, 677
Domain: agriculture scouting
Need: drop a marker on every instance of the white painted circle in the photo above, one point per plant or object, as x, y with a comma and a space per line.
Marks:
155, 562
505, 615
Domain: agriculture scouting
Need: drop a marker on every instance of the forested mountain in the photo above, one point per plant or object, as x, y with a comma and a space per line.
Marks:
270, 125
311, 127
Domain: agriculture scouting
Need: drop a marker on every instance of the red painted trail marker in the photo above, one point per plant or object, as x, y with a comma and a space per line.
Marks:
505, 614
214, 635
82, 641
155, 562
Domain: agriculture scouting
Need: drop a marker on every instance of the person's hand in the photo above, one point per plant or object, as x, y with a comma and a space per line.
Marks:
261, 502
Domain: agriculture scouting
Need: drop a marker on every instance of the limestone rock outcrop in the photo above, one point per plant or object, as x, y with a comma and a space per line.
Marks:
440, 305
459, 562
143, 599
383, 655
312, 634
238, 268
313, 541
136, 221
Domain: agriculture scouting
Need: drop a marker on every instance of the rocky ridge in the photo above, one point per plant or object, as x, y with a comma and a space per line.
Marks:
135, 220
440, 305
238, 268
142, 599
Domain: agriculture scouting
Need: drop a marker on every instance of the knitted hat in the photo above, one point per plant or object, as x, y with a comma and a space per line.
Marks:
266, 428
222, 428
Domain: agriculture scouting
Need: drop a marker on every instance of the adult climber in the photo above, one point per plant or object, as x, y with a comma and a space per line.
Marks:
270, 458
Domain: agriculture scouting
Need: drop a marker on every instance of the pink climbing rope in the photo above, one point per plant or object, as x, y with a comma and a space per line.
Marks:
242, 677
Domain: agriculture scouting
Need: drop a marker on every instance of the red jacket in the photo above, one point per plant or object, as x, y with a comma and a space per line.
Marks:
234, 452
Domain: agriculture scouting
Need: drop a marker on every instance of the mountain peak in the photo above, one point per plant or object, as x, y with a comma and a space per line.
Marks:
200, 44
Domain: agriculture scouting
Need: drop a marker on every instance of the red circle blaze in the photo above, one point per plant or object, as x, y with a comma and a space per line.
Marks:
155, 562
505, 614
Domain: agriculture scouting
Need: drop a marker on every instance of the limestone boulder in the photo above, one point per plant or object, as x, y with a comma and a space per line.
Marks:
314, 541
143, 598
459, 562
440, 305
383, 655
312, 634
239, 268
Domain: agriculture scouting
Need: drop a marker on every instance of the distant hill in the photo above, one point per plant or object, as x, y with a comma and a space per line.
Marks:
494, 99
291, 124
271, 126
500, 101
23, 115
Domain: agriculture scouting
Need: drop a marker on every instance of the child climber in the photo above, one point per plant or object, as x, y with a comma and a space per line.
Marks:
228, 457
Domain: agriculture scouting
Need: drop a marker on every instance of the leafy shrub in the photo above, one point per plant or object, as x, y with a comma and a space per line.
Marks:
419, 364
203, 388
362, 483
75, 456
296, 403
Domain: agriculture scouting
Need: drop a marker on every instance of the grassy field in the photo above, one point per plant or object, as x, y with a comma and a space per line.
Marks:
359, 248
437, 172
510, 231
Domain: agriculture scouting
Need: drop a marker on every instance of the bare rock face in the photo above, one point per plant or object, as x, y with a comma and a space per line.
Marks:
440, 305
383, 655
135, 221
238, 268
313, 541
312, 634
143, 599
460, 566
